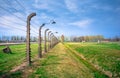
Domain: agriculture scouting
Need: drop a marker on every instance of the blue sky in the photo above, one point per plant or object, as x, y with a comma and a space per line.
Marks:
73, 17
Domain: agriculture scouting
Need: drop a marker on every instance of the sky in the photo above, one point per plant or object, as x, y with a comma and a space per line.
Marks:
73, 17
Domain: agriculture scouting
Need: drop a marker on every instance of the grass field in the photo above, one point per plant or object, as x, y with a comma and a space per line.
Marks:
61, 63
18, 56
65, 61
105, 56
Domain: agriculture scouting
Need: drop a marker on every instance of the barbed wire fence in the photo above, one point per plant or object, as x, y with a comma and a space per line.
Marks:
14, 28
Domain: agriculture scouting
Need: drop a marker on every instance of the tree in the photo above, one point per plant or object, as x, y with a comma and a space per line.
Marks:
62, 38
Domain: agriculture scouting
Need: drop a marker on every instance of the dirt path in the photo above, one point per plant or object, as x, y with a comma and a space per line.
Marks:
61, 63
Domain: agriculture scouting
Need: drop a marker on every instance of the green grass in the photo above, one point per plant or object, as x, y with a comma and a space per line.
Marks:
104, 55
60, 62
43, 71
63, 62
18, 56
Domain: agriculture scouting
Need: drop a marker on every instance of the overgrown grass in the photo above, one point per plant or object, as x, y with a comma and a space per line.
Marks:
46, 65
18, 56
104, 55
62, 63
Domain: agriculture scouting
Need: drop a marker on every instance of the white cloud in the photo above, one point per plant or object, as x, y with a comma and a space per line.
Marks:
51, 6
12, 24
44, 4
41, 6
11, 20
44, 16
82, 23
71, 5
102, 7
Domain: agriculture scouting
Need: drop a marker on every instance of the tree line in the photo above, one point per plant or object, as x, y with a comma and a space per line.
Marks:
94, 38
16, 39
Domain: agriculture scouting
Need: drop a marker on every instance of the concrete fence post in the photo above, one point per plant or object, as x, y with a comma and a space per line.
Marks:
49, 40
40, 42
28, 49
45, 47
